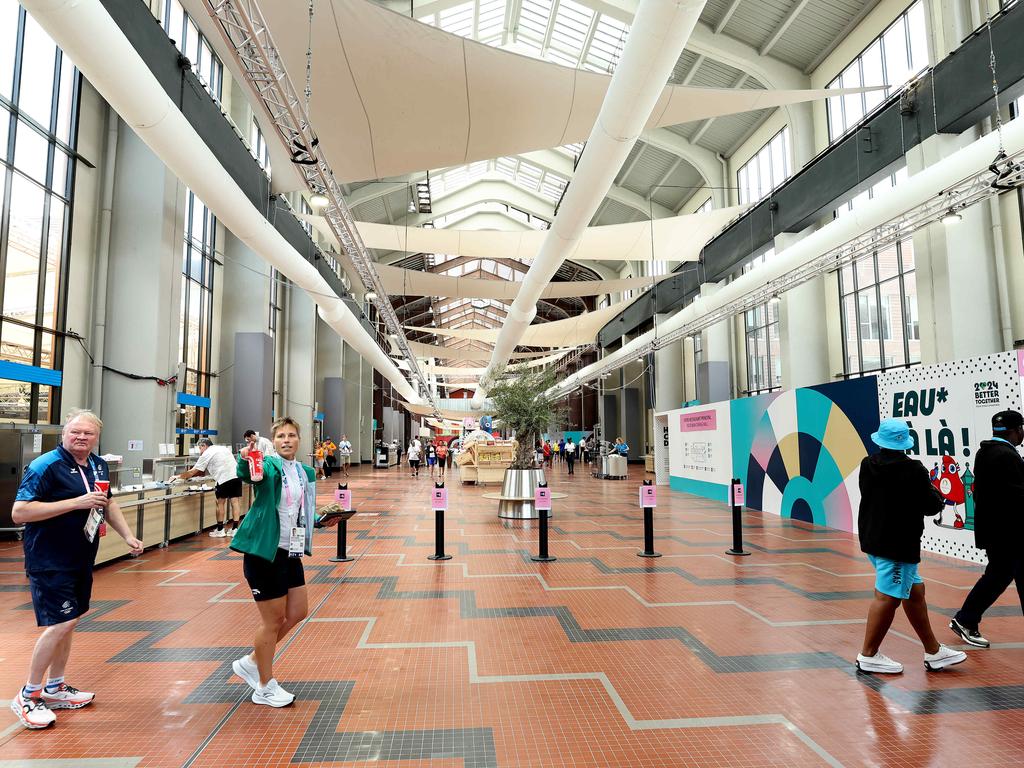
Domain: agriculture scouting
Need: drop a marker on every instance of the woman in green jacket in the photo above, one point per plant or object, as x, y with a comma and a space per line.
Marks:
273, 536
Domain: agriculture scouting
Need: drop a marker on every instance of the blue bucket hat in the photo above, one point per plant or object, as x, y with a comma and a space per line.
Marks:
893, 434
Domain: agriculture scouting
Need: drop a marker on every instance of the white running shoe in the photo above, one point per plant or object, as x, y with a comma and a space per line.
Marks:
246, 669
215, 534
273, 695
232, 532
878, 663
66, 697
32, 712
944, 657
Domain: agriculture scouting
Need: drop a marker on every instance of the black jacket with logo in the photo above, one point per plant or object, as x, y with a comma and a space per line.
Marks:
998, 495
896, 495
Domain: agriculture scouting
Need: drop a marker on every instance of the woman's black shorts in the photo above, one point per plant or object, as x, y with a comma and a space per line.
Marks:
271, 580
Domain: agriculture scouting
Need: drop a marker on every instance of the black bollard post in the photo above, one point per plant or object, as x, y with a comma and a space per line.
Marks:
736, 499
341, 547
439, 500
542, 531
648, 504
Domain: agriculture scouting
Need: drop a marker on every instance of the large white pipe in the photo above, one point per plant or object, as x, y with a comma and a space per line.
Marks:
86, 33
660, 30
909, 195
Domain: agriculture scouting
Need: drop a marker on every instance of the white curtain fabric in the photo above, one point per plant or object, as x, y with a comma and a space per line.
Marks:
470, 354
393, 96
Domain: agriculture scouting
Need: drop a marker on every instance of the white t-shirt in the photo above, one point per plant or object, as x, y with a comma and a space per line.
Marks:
293, 488
345, 448
414, 452
219, 462
570, 448
264, 446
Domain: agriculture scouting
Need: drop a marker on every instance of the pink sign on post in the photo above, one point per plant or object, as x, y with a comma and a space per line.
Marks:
542, 499
737, 494
344, 499
439, 499
648, 496
701, 421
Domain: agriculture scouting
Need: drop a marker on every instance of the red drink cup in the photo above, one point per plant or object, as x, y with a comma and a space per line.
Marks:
103, 486
255, 464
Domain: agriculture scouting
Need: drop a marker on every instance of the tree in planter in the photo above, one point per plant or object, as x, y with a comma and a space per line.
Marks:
522, 403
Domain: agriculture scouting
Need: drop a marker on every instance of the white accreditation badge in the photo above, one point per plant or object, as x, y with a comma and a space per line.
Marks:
297, 542
92, 525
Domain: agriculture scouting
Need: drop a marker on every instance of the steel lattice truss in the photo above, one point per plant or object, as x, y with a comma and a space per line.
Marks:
983, 185
245, 30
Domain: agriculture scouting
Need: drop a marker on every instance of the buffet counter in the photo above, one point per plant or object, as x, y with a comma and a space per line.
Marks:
159, 514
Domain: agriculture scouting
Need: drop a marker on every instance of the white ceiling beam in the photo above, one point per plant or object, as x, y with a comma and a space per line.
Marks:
628, 169
376, 189
727, 15
851, 25
704, 160
511, 17
588, 40
664, 177
550, 29
772, 72
695, 139
692, 72
785, 24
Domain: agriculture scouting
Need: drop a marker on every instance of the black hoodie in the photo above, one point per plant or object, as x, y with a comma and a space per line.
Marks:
998, 495
896, 495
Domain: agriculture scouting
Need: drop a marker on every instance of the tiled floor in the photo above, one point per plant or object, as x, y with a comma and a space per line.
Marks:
598, 659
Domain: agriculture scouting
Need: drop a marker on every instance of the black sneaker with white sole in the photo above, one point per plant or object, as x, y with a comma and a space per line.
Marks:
969, 636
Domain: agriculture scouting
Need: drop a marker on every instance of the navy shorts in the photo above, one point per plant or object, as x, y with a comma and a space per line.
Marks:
60, 596
271, 580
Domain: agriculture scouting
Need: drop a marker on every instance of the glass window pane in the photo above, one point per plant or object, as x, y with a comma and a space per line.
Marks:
850, 333
24, 245
853, 106
888, 263
47, 403
913, 330
37, 69
47, 351
918, 38
18, 343
65, 99
8, 45
907, 255
30, 152
15, 398
892, 310
54, 249
871, 63
846, 280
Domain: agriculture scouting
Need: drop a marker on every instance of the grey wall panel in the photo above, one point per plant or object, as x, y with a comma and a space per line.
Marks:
334, 407
253, 392
633, 422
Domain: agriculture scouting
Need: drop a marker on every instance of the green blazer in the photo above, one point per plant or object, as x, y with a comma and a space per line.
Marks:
260, 531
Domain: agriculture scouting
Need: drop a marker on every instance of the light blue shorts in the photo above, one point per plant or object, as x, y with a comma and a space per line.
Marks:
894, 578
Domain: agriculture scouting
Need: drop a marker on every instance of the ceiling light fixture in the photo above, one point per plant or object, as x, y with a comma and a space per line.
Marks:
951, 217
319, 200
370, 296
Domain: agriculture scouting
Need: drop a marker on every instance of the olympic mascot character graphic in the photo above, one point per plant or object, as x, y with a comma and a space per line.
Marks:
945, 476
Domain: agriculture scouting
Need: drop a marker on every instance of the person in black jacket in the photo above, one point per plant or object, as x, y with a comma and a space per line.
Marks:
896, 497
998, 523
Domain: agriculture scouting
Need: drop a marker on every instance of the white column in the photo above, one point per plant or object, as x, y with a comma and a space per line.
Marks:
668, 375
803, 334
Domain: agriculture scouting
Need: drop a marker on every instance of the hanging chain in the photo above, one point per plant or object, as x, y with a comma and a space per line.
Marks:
995, 82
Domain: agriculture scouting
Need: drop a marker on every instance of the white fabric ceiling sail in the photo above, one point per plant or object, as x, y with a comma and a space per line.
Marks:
413, 282
675, 238
394, 96
573, 331
446, 370
470, 354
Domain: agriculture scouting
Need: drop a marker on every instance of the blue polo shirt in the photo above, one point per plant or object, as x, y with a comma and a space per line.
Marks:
59, 543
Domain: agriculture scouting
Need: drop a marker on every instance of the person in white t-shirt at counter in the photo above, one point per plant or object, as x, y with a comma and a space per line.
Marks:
218, 462
256, 441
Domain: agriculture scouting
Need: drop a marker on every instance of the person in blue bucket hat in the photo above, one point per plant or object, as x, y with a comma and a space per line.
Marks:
896, 497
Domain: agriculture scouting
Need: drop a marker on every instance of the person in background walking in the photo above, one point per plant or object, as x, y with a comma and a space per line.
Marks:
344, 450
896, 497
561, 449
330, 454
547, 454
570, 455
414, 458
998, 524
318, 461
442, 458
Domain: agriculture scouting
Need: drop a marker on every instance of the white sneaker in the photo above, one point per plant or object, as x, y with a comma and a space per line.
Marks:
232, 532
878, 663
215, 534
273, 695
32, 712
246, 669
66, 697
944, 657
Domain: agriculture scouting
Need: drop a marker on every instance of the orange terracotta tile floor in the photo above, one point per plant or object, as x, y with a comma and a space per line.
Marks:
600, 658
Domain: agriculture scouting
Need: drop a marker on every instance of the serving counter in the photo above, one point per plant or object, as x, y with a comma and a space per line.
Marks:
158, 514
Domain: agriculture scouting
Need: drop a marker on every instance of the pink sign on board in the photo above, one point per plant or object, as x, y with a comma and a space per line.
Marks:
542, 499
439, 499
344, 499
737, 494
648, 496
701, 421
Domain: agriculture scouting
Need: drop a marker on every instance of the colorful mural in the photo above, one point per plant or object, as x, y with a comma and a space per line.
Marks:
798, 452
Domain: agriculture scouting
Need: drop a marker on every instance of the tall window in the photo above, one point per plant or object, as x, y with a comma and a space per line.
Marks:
38, 115
764, 350
196, 324
258, 147
190, 41
879, 304
892, 59
766, 170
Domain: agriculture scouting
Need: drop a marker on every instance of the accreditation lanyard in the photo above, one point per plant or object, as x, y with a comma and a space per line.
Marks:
297, 537
94, 523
